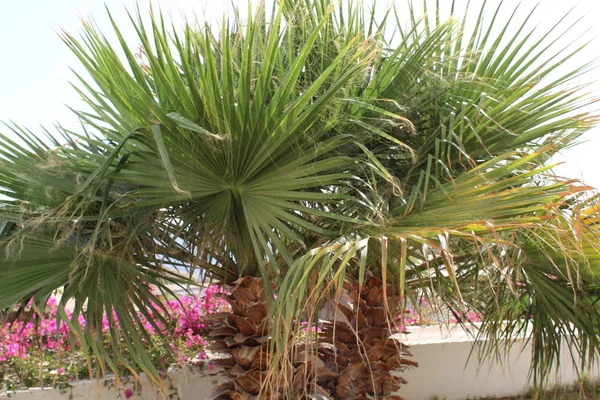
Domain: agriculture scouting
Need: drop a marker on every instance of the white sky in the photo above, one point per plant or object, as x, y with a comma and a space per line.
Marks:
35, 75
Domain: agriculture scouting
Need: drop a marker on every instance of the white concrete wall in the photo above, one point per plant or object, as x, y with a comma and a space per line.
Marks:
187, 384
443, 371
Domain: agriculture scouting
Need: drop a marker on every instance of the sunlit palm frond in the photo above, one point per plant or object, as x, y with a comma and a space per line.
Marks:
310, 147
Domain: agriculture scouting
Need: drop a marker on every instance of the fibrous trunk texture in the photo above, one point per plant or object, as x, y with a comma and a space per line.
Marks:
353, 358
356, 345
242, 336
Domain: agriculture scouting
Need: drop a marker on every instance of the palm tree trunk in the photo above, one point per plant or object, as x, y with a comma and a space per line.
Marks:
242, 336
356, 346
354, 357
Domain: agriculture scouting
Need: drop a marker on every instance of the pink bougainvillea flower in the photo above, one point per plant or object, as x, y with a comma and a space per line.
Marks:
128, 393
184, 324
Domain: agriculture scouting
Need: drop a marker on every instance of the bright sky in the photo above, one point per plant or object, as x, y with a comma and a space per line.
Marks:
35, 75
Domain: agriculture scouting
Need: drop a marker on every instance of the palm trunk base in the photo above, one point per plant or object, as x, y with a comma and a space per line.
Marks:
354, 356
356, 345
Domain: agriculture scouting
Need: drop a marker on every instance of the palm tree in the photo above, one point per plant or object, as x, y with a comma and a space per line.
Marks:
329, 166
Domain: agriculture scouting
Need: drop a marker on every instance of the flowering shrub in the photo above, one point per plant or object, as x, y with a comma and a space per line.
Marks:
40, 352
427, 314
426, 317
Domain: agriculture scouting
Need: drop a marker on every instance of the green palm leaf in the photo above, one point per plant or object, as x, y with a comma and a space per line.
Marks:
304, 146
